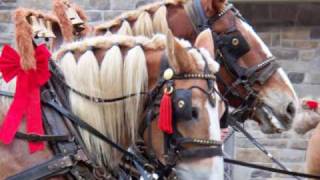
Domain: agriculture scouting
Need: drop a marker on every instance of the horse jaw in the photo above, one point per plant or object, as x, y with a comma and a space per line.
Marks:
277, 97
208, 168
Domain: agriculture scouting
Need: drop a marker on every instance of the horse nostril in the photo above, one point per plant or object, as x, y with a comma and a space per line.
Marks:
291, 110
195, 113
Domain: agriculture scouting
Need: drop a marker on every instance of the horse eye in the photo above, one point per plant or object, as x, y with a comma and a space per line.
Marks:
195, 113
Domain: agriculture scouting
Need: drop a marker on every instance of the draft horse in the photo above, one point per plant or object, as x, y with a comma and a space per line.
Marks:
144, 72
249, 77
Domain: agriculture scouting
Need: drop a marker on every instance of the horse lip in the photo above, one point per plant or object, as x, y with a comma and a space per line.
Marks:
269, 121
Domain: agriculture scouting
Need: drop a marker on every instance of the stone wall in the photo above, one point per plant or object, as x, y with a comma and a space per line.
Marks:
292, 35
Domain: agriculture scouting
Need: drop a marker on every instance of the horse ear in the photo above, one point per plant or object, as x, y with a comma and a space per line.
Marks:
205, 40
179, 59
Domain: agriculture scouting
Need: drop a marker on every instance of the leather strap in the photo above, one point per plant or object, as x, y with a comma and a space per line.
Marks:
57, 165
196, 15
201, 152
35, 137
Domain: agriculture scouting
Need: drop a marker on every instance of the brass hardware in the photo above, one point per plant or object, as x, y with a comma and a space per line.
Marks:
168, 90
181, 104
50, 33
36, 28
235, 42
168, 74
74, 17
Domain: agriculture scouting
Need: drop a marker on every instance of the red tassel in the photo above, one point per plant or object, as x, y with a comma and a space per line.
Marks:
312, 105
165, 116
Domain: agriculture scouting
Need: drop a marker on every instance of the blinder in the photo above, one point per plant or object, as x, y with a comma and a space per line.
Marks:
182, 104
234, 43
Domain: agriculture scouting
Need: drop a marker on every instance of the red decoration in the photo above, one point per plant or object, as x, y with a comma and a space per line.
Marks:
26, 100
165, 116
312, 105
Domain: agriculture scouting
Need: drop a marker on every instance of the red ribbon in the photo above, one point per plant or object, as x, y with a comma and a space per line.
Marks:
27, 96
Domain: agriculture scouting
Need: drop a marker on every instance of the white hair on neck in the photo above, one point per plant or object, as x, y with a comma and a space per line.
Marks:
111, 77
125, 29
135, 82
203, 56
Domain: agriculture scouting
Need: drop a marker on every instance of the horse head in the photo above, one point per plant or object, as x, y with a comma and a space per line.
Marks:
251, 79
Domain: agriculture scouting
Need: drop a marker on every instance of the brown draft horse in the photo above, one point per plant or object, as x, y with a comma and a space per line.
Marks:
141, 71
308, 119
274, 100
28, 29
131, 65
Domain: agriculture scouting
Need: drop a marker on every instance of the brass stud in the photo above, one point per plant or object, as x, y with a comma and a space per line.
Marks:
181, 104
235, 42
168, 74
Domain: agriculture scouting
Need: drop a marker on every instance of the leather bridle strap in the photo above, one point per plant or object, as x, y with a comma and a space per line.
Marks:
202, 152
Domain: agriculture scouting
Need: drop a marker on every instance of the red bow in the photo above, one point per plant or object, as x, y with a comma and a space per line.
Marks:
27, 96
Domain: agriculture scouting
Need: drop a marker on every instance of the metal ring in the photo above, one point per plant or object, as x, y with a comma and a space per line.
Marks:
168, 90
235, 41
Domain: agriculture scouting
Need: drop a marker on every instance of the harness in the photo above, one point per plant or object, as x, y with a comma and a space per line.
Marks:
230, 46
174, 149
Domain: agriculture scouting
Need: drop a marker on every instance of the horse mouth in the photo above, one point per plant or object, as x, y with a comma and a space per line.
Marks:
270, 122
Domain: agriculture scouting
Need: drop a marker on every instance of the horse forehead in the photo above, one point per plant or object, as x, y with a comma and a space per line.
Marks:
252, 37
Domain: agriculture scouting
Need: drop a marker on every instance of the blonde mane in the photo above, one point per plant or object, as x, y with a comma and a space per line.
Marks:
116, 76
148, 19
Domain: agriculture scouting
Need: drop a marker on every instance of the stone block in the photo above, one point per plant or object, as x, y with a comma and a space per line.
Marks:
275, 39
266, 37
312, 78
109, 15
307, 55
36, 4
261, 174
296, 78
243, 143
94, 4
285, 53
253, 155
300, 44
297, 66
296, 33
95, 16
5, 16
274, 143
290, 155
298, 144
304, 90
315, 32
123, 4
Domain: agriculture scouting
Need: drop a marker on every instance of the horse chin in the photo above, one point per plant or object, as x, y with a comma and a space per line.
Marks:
271, 122
205, 169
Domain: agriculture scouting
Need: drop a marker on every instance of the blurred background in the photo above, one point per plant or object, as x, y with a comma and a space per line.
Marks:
291, 29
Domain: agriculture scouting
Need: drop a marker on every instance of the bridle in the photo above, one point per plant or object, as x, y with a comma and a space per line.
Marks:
230, 46
182, 111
